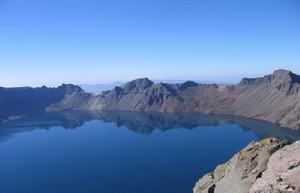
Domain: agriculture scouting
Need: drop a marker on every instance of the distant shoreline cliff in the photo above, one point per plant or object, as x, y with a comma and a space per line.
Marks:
274, 98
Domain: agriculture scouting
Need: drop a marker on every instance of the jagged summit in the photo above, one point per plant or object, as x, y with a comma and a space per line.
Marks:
138, 84
281, 72
188, 84
274, 97
285, 76
70, 88
278, 76
254, 81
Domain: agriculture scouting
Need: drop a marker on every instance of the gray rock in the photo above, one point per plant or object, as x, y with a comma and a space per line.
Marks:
241, 172
283, 172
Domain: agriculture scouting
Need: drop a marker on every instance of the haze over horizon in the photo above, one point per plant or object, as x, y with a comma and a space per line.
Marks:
88, 42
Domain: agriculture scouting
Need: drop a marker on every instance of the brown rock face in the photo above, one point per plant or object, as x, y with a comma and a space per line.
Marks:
241, 172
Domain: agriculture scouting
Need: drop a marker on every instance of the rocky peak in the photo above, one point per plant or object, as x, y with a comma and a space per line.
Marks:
164, 88
138, 85
188, 84
69, 89
285, 81
285, 76
279, 77
254, 81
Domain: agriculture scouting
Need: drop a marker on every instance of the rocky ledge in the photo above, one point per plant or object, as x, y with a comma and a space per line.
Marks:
269, 166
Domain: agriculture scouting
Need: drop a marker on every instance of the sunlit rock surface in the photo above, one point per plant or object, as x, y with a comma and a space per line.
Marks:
240, 173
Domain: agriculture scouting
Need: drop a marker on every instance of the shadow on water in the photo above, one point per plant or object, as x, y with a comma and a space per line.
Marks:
142, 122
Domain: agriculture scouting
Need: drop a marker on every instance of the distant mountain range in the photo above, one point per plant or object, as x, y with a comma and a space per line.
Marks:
274, 98
98, 88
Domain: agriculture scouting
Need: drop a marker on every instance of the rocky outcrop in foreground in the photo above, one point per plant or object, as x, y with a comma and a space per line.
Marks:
262, 167
283, 172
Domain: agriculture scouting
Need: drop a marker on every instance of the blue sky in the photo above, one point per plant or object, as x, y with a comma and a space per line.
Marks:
95, 41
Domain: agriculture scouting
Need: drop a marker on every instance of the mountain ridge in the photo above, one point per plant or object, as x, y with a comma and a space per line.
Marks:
274, 98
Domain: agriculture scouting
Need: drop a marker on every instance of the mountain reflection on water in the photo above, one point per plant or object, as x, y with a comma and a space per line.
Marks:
142, 122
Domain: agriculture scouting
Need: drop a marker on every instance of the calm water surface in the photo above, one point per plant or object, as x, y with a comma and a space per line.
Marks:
120, 152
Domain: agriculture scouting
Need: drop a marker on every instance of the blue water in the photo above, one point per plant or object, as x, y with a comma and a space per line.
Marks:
119, 153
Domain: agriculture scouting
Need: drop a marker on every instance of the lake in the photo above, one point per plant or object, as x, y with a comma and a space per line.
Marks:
121, 152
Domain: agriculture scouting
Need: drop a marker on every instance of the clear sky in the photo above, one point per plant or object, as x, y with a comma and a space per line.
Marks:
95, 41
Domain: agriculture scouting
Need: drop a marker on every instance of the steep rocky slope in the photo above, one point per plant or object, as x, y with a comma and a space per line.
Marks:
274, 98
262, 167
25, 100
